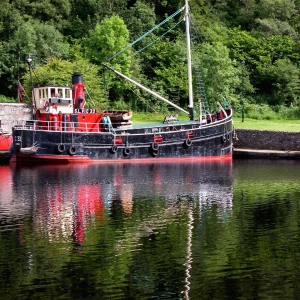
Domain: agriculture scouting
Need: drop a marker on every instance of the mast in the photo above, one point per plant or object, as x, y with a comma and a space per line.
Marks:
188, 44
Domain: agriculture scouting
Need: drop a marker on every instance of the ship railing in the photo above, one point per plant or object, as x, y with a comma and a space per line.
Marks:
87, 127
63, 126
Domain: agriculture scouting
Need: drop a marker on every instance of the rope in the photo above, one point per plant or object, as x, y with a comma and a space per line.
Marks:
147, 33
137, 52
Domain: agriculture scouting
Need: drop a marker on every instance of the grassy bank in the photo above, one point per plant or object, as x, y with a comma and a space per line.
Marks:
276, 125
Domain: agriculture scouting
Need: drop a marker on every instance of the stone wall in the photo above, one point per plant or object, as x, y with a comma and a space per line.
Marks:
11, 113
267, 140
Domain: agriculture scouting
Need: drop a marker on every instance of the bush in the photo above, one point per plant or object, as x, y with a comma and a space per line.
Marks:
266, 112
5, 99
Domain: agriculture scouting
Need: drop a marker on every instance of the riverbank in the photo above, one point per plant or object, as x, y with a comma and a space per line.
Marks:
267, 144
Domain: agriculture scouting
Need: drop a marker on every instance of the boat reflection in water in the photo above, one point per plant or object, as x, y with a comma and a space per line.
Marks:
65, 199
118, 215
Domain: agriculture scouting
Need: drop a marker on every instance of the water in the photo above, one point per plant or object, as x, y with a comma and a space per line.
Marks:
151, 231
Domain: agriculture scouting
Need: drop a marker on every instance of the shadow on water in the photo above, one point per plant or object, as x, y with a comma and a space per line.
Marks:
216, 230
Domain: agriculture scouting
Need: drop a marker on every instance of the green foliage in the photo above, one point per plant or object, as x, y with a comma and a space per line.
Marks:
264, 34
6, 99
260, 112
51, 12
8, 70
266, 112
276, 9
271, 27
139, 18
85, 15
221, 74
42, 39
270, 61
170, 68
282, 78
109, 37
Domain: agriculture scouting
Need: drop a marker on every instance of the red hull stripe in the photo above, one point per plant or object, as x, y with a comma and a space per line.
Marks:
5, 142
84, 159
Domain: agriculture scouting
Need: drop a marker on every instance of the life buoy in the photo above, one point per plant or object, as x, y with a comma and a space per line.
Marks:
61, 148
46, 106
188, 142
126, 151
72, 150
154, 146
113, 148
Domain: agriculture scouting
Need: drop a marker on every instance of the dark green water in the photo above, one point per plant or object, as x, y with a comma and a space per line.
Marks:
151, 231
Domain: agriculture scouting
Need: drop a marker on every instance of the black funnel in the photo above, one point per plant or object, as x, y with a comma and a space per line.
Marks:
77, 78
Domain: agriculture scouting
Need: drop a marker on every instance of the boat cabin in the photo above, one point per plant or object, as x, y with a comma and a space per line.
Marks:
50, 98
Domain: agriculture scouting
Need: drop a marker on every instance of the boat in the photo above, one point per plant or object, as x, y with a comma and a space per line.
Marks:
5, 146
63, 130
6, 143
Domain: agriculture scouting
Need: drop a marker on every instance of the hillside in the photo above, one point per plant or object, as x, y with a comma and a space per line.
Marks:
253, 47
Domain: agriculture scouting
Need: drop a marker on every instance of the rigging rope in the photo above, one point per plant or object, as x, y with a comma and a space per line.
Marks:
137, 52
147, 33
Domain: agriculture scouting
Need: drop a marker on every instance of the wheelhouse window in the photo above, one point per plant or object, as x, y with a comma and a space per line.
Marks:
67, 93
60, 93
52, 91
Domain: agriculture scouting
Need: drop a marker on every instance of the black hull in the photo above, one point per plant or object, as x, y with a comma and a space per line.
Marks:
5, 156
185, 140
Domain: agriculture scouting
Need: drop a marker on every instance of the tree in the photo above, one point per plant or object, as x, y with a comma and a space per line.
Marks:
139, 19
247, 14
86, 14
110, 37
280, 82
8, 71
277, 9
40, 38
221, 74
51, 12
269, 27
30, 37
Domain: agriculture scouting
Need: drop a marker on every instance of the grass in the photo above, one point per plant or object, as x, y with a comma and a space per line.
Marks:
275, 125
139, 118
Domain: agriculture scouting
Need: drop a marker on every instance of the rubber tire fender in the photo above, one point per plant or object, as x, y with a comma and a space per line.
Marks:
72, 150
61, 148
188, 142
114, 149
154, 146
126, 151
